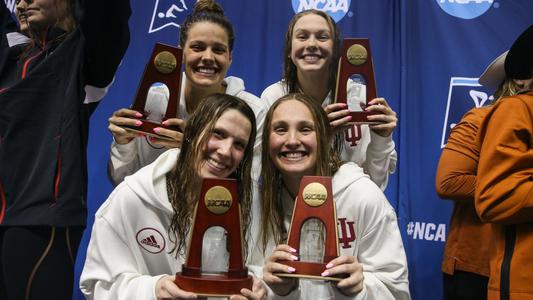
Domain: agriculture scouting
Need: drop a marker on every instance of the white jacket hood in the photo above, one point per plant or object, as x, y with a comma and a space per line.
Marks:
234, 85
149, 183
347, 174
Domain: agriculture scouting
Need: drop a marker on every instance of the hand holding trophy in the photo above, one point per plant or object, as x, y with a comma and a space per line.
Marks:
163, 67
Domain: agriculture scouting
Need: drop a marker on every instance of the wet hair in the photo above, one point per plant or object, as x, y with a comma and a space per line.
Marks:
183, 181
290, 75
327, 163
207, 11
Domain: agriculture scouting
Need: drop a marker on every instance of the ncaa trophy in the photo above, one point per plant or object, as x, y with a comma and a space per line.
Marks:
164, 67
313, 230
356, 85
218, 205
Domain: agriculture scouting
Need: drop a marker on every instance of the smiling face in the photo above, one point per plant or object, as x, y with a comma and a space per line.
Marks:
311, 44
38, 14
206, 54
225, 147
293, 140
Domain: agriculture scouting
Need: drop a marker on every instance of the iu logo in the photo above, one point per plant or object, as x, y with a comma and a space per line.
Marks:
169, 13
346, 233
353, 135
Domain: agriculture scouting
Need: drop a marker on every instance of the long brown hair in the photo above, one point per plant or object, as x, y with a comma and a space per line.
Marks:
183, 181
207, 11
290, 74
327, 163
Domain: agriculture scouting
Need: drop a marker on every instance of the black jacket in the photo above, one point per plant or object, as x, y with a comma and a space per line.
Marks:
43, 118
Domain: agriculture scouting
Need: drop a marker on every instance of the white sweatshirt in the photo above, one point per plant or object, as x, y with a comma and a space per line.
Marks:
374, 153
128, 158
129, 247
368, 230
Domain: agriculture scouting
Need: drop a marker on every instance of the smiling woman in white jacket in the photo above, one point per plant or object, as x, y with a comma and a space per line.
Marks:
206, 37
311, 56
140, 232
296, 143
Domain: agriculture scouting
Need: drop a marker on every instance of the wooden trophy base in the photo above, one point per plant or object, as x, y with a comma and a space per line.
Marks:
213, 285
308, 270
147, 128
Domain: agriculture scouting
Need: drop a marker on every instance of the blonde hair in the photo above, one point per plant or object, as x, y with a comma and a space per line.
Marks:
327, 163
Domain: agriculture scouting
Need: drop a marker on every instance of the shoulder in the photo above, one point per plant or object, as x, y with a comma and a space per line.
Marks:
113, 206
350, 181
273, 92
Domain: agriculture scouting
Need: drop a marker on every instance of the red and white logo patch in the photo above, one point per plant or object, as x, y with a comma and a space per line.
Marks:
151, 240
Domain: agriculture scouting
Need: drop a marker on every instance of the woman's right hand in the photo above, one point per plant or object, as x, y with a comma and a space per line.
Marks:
165, 288
124, 117
280, 285
339, 116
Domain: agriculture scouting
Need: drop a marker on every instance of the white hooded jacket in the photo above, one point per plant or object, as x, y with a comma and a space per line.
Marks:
128, 158
129, 250
368, 230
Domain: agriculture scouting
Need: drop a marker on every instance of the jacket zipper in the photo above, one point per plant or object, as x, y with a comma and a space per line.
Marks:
3, 203
505, 273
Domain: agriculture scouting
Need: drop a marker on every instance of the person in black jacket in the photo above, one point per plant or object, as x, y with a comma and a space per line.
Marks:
54, 69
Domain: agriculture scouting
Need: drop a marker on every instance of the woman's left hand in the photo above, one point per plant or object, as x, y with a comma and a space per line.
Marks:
258, 291
384, 114
354, 283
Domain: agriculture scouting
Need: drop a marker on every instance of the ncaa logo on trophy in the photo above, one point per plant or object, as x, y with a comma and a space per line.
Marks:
466, 9
169, 13
337, 9
464, 94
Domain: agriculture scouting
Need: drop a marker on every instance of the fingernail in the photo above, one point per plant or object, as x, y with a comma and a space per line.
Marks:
292, 250
350, 117
325, 273
157, 129
165, 122
294, 257
138, 114
151, 138
291, 270
138, 123
329, 265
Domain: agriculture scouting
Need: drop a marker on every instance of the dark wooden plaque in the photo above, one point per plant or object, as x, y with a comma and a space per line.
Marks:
218, 205
164, 66
356, 58
314, 200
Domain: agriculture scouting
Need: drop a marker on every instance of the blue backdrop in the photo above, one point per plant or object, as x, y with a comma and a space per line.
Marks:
427, 57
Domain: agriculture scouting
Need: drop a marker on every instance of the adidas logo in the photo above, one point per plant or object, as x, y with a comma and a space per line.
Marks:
150, 241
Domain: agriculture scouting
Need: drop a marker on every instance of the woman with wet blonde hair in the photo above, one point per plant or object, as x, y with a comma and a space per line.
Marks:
157, 205
296, 143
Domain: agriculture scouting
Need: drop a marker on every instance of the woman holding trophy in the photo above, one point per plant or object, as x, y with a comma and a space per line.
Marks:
311, 58
297, 142
206, 37
140, 233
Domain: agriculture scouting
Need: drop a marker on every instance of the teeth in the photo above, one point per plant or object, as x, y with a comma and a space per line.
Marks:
311, 58
206, 71
293, 155
216, 164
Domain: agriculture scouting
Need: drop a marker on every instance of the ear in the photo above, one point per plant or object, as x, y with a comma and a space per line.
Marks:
230, 58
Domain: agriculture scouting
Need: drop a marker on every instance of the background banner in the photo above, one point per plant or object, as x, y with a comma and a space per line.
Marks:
427, 57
